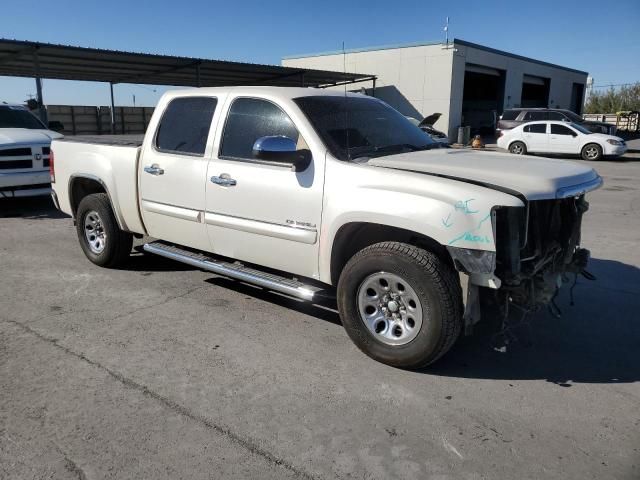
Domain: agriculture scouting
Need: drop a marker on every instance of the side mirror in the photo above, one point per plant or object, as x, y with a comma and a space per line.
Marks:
281, 149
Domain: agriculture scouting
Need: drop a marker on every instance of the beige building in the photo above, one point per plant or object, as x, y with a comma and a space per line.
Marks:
468, 84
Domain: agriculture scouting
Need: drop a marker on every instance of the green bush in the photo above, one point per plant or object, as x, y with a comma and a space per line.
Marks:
614, 100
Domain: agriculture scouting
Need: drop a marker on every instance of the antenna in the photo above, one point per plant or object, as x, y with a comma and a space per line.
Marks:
446, 32
346, 117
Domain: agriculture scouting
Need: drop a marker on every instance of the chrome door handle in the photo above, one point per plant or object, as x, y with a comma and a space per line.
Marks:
224, 180
154, 170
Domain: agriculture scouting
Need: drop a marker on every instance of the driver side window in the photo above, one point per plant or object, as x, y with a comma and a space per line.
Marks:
250, 119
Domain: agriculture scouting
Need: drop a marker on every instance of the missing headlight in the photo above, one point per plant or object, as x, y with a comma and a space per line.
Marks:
473, 261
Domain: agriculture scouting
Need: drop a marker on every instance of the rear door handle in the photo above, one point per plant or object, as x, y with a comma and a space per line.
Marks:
224, 179
154, 170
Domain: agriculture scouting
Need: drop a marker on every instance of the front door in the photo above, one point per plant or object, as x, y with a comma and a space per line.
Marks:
260, 211
173, 172
535, 136
563, 140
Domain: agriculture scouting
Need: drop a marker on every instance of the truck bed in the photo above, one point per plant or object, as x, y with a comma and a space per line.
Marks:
110, 160
112, 140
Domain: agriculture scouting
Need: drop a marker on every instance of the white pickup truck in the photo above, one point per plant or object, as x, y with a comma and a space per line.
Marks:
24, 153
305, 191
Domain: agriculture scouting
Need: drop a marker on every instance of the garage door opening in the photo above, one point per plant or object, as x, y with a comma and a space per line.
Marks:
482, 98
577, 98
535, 92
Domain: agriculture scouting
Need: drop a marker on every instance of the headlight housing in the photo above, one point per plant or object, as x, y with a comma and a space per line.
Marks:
611, 141
473, 261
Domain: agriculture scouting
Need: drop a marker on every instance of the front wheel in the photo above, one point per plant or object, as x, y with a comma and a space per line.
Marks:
400, 304
592, 151
101, 239
518, 148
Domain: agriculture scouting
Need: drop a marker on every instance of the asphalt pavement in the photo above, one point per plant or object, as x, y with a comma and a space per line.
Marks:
162, 371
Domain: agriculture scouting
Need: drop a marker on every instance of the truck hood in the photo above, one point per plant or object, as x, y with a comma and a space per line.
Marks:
534, 178
27, 136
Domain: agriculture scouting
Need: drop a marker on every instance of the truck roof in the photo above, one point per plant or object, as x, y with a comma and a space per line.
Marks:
278, 92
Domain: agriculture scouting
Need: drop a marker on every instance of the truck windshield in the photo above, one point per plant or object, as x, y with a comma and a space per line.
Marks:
18, 117
353, 127
580, 128
574, 117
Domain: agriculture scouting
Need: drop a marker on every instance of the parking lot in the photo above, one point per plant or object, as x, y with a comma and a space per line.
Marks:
163, 371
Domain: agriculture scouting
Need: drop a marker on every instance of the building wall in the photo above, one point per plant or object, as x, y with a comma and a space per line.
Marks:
560, 85
419, 80
416, 80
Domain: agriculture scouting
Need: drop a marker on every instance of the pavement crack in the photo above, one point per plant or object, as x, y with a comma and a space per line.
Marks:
156, 304
246, 443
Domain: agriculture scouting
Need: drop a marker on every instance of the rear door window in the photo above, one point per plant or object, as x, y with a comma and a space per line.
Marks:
534, 116
184, 127
248, 120
536, 128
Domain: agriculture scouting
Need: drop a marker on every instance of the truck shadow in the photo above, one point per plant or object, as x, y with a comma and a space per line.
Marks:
324, 309
595, 341
32, 208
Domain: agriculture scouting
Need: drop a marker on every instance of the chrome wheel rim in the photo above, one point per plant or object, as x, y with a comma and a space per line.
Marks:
94, 232
517, 149
592, 152
390, 309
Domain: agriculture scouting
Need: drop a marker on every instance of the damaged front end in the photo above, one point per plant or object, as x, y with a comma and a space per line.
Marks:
537, 251
536, 247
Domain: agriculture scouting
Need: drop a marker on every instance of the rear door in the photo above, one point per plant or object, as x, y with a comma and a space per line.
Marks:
536, 138
563, 139
174, 169
260, 211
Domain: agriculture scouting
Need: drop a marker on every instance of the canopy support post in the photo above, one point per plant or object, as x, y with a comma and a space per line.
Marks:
113, 111
42, 112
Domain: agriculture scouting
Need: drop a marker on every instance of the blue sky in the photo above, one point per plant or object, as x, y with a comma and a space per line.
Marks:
602, 38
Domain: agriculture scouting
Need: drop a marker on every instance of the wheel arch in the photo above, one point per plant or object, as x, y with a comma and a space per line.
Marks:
82, 185
514, 140
354, 236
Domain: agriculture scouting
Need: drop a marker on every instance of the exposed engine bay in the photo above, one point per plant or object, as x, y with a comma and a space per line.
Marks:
536, 247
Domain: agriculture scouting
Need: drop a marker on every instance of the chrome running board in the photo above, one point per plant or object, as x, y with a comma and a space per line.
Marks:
234, 270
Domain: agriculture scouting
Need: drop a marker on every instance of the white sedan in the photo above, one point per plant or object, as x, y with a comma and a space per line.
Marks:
556, 137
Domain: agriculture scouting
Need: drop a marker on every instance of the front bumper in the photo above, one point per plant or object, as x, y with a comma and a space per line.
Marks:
16, 180
615, 150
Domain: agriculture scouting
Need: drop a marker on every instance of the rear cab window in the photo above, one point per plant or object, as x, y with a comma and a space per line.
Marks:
185, 124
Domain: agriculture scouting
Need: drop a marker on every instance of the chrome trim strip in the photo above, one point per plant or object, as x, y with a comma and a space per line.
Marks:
580, 189
171, 210
286, 232
303, 292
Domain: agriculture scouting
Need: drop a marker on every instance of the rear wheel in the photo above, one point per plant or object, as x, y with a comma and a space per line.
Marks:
592, 151
518, 148
101, 239
400, 304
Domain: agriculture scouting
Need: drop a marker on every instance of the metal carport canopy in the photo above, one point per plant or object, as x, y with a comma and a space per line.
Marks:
45, 60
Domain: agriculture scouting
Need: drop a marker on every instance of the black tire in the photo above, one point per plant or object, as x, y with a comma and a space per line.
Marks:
518, 148
116, 244
591, 151
436, 285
